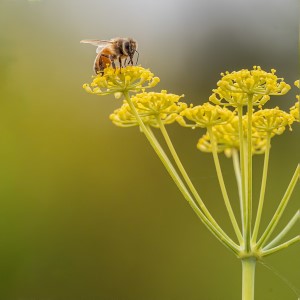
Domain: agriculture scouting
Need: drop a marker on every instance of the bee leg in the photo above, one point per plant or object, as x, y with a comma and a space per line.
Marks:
112, 60
130, 60
125, 62
120, 62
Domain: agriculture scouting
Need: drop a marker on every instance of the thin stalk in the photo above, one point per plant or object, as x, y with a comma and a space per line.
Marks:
283, 203
282, 246
248, 278
284, 231
249, 172
172, 172
262, 190
186, 177
243, 173
223, 187
237, 172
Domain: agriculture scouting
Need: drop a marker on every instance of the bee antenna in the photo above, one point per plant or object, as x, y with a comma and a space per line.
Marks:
137, 57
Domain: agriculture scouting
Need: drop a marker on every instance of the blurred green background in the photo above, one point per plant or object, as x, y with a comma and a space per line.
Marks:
87, 210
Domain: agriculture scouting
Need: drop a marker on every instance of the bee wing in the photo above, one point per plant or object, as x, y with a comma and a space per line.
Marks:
99, 43
96, 42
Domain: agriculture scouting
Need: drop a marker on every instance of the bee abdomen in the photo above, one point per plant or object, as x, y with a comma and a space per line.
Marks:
101, 62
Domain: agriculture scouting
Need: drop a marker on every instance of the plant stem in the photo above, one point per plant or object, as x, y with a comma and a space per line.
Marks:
172, 172
237, 171
284, 231
282, 246
187, 178
244, 214
248, 278
223, 187
249, 171
274, 221
262, 190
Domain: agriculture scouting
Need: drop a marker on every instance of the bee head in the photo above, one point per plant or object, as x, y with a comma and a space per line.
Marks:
129, 47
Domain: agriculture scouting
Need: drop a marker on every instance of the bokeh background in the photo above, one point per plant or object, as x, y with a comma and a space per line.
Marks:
87, 210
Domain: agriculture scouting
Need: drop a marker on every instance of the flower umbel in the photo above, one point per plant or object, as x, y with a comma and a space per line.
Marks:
227, 138
205, 115
116, 81
271, 121
149, 107
235, 88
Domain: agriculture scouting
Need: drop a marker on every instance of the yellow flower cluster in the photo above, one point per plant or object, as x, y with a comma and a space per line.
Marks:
264, 122
205, 115
227, 138
234, 89
271, 121
237, 88
150, 107
131, 78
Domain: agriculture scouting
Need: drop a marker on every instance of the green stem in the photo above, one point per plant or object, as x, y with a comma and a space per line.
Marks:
248, 278
274, 221
237, 171
282, 246
223, 187
187, 178
243, 171
249, 171
285, 230
262, 190
172, 172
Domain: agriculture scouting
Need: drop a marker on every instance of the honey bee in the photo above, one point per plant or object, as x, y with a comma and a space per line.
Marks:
110, 50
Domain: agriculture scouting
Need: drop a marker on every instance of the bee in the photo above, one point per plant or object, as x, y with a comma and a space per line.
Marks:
110, 50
